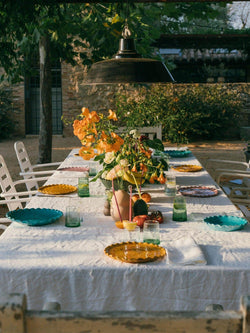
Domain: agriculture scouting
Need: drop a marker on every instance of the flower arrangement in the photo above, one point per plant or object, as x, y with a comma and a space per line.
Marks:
124, 157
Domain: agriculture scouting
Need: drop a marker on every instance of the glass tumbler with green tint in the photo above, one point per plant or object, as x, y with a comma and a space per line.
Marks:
83, 185
179, 209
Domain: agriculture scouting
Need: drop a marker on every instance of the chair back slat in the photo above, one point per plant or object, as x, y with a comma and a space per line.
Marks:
7, 185
25, 164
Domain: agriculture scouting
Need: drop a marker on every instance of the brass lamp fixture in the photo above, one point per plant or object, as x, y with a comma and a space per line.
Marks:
128, 66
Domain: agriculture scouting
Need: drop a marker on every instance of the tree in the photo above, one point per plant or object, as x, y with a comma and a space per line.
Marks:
88, 30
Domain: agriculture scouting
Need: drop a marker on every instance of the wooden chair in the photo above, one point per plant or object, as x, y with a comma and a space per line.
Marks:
15, 318
27, 169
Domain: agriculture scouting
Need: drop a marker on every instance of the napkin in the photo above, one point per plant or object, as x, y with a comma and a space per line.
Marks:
185, 251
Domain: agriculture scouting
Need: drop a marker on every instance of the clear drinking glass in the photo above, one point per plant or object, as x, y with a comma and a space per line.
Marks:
134, 235
151, 232
179, 209
83, 185
132, 231
72, 217
92, 168
170, 185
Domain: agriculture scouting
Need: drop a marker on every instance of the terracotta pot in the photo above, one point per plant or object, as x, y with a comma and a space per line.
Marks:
123, 203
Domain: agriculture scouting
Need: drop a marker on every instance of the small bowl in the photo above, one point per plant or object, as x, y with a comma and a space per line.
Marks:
225, 222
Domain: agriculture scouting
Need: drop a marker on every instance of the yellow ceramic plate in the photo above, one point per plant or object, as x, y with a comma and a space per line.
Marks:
187, 168
135, 253
55, 189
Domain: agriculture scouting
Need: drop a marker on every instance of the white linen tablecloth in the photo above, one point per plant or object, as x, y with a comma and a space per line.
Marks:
68, 265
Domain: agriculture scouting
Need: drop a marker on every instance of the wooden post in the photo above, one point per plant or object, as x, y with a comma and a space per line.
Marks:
245, 308
12, 308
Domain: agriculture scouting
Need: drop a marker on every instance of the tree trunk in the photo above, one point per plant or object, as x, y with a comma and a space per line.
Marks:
45, 135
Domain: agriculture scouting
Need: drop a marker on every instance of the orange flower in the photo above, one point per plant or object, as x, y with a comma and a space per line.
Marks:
143, 167
85, 112
90, 138
93, 116
161, 179
100, 147
86, 153
79, 129
104, 136
112, 115
147, 153
151, 180
116, 137
134, 168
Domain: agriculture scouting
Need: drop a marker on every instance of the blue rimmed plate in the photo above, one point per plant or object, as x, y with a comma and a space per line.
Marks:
178, 153
225, 222
34, 216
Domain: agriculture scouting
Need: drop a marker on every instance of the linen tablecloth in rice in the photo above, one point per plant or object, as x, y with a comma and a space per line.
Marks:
68, 265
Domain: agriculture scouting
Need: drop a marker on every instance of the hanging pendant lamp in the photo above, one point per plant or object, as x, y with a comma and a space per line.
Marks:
128, 66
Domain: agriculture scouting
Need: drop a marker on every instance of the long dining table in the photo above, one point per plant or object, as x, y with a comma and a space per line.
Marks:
68, 265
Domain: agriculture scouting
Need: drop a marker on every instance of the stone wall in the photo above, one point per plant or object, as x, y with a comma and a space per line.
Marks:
75, 95
71, 99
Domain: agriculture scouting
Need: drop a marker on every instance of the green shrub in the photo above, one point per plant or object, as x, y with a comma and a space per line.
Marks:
186, 112
137, 108
7, 125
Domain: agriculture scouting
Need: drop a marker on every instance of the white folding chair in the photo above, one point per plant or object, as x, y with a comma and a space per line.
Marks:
230, 165
10, 196
233, 174
27, 169
234, 180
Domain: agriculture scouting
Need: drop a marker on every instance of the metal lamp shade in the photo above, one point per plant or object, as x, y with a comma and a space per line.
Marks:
128, 66
128, 70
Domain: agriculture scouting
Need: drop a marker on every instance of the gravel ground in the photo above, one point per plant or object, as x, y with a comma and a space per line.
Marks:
231, 150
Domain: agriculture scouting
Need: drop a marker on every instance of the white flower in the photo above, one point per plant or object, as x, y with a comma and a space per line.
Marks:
123, 163
109, 157
135, 133
104, 174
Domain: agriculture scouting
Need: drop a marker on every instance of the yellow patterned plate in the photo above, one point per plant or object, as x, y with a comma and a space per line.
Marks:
187, 168
135, 253
55, 189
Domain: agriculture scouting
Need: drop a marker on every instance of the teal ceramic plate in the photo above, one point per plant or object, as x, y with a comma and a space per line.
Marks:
178, 153
34, 216
225, 222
